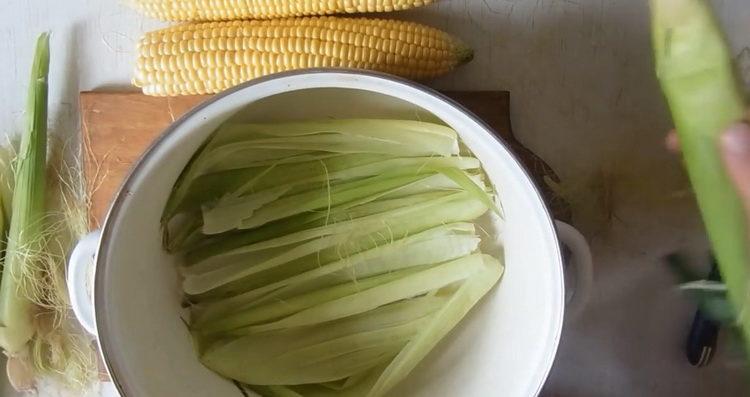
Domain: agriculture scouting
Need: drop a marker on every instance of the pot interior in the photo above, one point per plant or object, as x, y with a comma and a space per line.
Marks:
505, 346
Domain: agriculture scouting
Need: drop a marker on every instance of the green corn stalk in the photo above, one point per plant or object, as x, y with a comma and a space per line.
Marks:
16, 309
694, 66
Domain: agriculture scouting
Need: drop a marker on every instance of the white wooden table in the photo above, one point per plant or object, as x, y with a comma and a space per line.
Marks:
584, 98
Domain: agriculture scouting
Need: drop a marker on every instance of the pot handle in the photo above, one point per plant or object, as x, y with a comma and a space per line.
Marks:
579, 269
80, 280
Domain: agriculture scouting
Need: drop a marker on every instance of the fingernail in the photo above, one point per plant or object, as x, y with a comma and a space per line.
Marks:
736, 140
672, 141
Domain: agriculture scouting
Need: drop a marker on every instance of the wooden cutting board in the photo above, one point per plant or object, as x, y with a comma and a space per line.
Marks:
119, 126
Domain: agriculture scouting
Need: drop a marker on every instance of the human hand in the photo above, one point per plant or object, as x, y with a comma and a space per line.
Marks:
735, 149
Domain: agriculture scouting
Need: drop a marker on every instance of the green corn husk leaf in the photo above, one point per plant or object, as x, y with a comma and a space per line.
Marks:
290, 369
425, 248
440, 243
234, 144
186, 234
295, 176
248, 275
196, 185
464, 181
357, 388
198, 247
455, 207
271, 391
410, 252
695, 68
314, 354
282, 308
3, 225
7, 167
390, 137
16, 310
267, 206
381, 379
340, 385
392, 315
440, 324
406, 287
381, 189
224, 269
226, 243
213, 186
246, 214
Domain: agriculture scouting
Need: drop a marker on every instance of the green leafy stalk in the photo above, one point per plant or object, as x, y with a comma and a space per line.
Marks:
16, 309
695, 68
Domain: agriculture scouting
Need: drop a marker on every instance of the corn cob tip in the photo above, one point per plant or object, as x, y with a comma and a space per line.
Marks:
464, 54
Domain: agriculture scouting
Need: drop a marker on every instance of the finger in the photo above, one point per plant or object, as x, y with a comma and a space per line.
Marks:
735, 145
672, 141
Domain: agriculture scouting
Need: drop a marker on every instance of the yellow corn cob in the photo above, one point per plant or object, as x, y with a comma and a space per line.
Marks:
224, 10
210, 57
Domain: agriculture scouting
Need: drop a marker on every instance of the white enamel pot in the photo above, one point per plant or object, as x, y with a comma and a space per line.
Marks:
505, 347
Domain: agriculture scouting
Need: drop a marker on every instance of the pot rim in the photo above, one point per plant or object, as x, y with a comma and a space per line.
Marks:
106, 345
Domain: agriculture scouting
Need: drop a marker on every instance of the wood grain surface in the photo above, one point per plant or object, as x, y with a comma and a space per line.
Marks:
119, 126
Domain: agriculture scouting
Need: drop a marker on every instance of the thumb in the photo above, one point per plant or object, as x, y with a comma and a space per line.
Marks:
735, 145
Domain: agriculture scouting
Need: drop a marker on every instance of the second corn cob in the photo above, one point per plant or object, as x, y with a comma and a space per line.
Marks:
208, 10
210, 57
